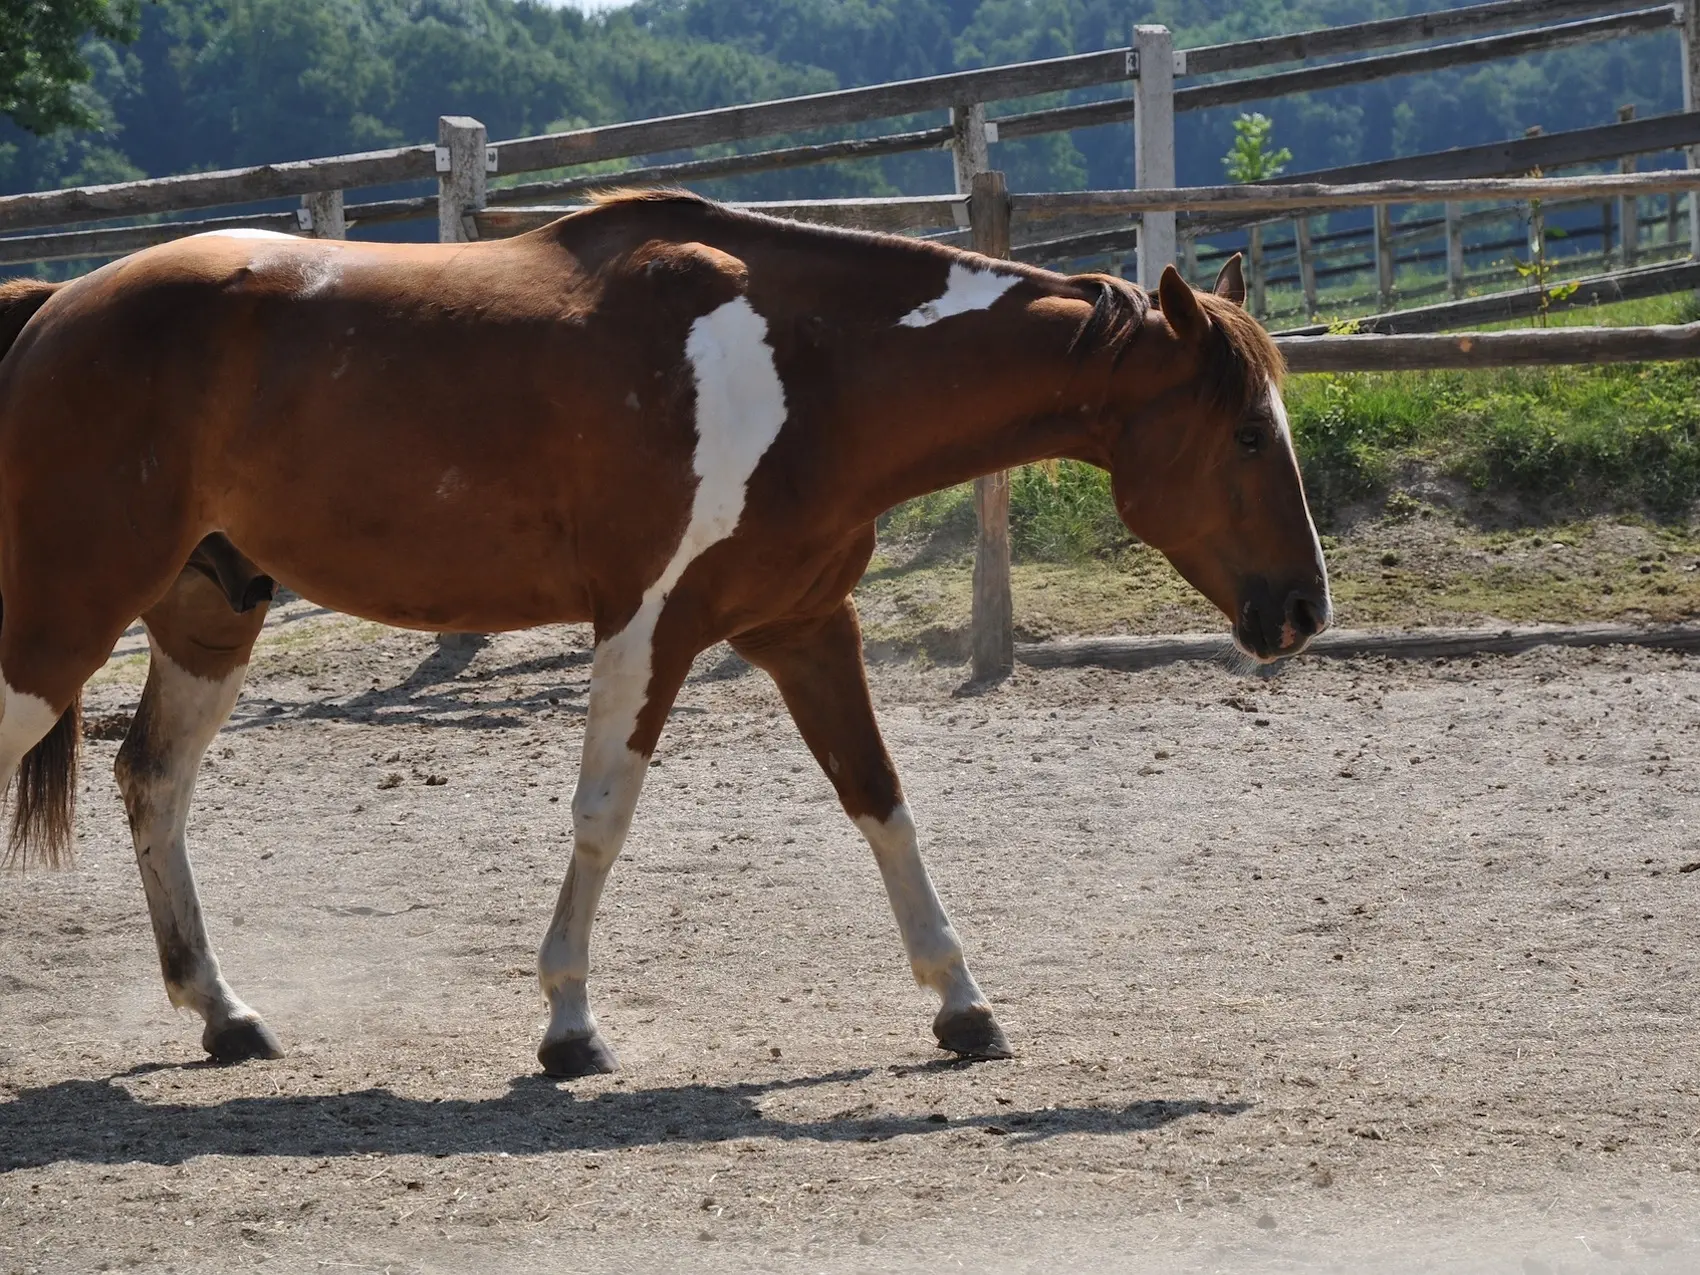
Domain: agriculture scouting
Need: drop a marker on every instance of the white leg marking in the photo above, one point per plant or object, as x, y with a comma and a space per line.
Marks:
935, 953
157, 773
966, 288
739, 411
24, 722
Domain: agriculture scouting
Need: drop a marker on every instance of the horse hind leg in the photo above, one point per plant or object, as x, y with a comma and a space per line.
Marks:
199, 652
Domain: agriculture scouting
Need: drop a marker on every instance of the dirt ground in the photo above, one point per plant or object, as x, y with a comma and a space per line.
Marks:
1364, 967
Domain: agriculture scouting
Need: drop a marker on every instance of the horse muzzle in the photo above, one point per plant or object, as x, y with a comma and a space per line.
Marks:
1275, 623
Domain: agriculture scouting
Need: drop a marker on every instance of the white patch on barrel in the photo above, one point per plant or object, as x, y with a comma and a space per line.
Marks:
966, 288
740, 409
242, 232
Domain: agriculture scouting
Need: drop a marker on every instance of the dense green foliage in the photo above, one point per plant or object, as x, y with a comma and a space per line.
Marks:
211, 83
41, 62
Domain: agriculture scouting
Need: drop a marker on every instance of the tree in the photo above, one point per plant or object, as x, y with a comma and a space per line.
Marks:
41, 60
1250, 159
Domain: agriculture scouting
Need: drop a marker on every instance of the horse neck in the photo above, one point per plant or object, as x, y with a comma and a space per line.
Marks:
991, 400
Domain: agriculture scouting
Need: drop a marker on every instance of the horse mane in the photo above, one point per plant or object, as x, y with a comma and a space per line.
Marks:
649, 195
1241, 358
1118, 313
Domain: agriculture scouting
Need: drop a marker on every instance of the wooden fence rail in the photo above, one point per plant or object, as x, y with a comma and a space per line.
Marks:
1546, 347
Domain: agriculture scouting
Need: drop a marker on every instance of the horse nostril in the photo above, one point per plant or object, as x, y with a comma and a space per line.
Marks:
1305, 616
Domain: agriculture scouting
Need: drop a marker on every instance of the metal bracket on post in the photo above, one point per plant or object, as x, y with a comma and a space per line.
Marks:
463, 159
1154, 144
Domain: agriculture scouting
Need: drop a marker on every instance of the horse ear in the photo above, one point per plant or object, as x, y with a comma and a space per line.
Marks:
1230, 281
1180, 307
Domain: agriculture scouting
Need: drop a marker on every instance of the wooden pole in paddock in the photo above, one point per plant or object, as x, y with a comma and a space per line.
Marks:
1154, 144
325, 218
993, 626
1307, 264
464, 161
1690, 97
991, 631
1455, 250
1628, 206
1384, 256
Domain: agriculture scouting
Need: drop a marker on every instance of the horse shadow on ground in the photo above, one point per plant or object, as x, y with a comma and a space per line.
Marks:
102, 1122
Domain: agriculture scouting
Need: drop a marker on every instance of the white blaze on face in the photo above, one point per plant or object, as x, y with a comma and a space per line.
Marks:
740, 409
1284, 432
966, 288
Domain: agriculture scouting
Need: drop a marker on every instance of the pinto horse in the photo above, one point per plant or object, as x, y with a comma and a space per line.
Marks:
671, 419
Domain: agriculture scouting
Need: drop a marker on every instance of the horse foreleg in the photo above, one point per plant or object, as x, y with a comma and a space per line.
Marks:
632, 686
199, 656
817, 664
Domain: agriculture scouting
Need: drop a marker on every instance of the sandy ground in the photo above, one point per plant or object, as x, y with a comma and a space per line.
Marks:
1364, 967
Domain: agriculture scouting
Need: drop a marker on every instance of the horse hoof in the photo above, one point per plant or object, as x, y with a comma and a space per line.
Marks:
972, 1033
577, 1056
241, 1040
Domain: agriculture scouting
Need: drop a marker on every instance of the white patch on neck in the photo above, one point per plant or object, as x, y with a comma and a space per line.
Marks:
740, 409
966, 288
242, 232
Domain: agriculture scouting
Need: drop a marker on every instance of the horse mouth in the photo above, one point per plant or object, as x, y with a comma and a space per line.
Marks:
1302, 618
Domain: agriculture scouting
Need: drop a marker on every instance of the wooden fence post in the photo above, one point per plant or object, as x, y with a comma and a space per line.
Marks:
1690, 97
324, 215
1628, 206
1384, 256
1154, 144
1189, 257
1455, 251
1257, 284
993, 626
1307, 264
462, 173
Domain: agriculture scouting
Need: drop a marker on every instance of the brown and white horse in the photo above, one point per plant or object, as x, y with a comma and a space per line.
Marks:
670, 419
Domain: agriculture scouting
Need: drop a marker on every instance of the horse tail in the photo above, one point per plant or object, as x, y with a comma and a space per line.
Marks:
44, 798
44, 807
20, 299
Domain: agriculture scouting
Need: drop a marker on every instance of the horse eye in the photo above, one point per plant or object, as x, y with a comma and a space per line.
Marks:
1250, 437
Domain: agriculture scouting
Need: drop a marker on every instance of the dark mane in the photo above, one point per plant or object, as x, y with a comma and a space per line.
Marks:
1241, 359
1118, 312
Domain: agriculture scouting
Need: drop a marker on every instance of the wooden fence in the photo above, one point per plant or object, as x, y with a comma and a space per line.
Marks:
64, 224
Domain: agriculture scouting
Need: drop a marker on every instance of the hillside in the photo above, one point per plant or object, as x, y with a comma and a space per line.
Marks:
212, 84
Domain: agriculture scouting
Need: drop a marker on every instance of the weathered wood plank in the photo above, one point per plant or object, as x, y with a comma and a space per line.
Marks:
922, 212
767, 161
78, 245
1341, 74
795, 114
1546, 347
1134, 653
1419, 61
1360, 37
1289, 199
1623, 285
1520, 155
211, 190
